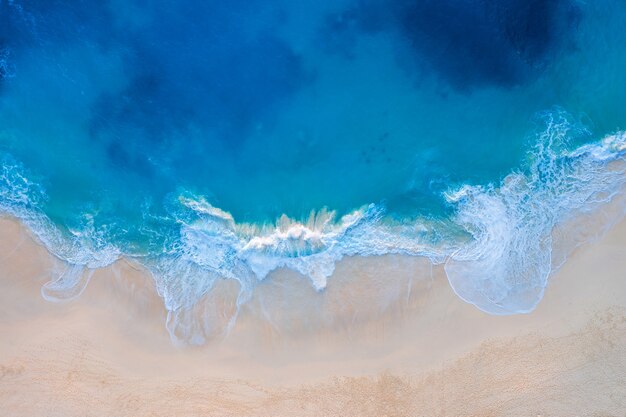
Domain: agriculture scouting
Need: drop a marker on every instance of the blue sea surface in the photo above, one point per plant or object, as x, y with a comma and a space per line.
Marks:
221, 140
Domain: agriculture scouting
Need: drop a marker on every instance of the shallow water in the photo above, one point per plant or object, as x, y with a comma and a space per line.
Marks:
200, 136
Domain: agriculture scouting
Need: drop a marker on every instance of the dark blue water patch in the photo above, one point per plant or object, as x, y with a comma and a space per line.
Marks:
225, 87
457, 39
214, 65
196, 64
46, 22
15, 28
467, 43
14, 34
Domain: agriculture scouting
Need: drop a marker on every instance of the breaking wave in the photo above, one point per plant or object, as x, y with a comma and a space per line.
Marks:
504, 268
498, 249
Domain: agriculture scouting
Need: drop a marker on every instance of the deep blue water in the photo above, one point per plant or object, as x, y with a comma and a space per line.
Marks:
140, 127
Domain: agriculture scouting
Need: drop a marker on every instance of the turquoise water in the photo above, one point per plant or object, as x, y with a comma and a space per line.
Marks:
214, 140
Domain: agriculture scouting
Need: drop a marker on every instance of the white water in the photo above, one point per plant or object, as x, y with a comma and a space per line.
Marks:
498, 249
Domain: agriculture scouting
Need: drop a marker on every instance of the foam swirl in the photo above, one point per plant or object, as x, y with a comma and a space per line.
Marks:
504, 268
498, 248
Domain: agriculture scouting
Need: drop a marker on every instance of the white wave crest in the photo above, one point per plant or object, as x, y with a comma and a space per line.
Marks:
81, 252
498, 248
215, 247
504, 268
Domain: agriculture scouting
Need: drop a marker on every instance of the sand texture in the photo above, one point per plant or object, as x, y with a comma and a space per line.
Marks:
353, 350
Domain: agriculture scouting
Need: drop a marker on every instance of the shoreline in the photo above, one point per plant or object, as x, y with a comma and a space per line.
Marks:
356, 357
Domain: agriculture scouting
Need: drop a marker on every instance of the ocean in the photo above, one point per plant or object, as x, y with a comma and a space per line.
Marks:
212, 140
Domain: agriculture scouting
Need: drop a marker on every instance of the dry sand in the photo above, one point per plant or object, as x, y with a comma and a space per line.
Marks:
408, 349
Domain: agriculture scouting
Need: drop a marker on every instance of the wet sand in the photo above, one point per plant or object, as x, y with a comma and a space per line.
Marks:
388, 337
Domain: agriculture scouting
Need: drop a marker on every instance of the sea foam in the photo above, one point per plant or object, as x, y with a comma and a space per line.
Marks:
504, 268
82, 251
498, 248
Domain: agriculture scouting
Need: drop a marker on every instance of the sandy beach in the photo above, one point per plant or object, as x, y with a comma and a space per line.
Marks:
414, 350
316, 208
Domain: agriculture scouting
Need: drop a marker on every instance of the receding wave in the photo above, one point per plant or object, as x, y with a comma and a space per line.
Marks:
499, 248
504, 268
